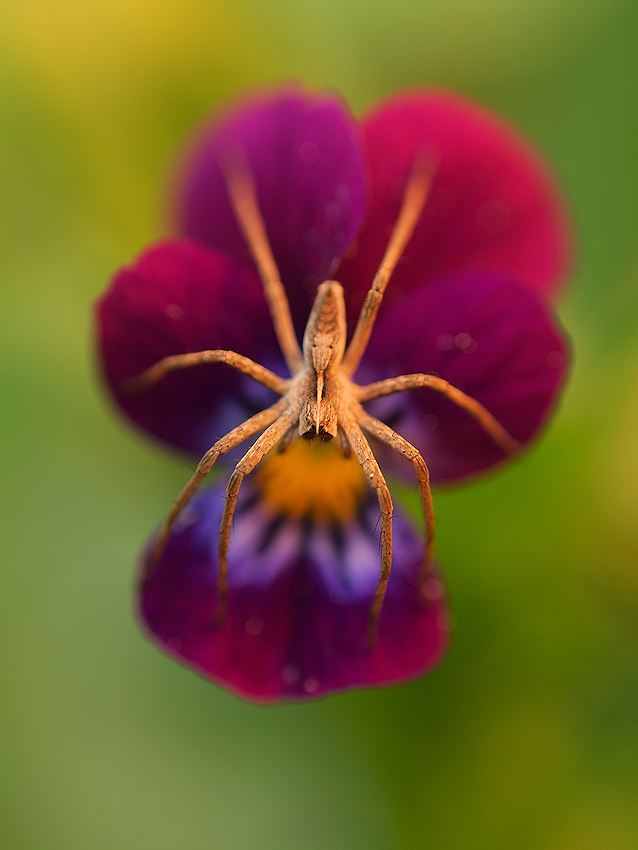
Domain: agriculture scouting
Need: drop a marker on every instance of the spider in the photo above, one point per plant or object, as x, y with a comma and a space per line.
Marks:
319, 401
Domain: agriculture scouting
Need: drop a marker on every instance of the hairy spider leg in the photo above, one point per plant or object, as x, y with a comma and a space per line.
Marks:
387, 435
363, 453
475, 409
184, 361
414, 198
249, 428
399, 444
243, 196
253, 456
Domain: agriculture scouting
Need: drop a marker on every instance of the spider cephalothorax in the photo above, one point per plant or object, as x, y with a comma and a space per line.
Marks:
319, 401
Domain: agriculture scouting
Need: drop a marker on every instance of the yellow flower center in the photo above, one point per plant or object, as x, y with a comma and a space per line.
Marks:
311, 478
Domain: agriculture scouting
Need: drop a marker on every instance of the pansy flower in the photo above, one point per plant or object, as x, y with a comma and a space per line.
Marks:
277, 199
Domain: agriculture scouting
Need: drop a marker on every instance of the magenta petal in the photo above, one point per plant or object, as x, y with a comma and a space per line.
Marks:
306, 156
285, 635
493, 204
180, 297
490, 337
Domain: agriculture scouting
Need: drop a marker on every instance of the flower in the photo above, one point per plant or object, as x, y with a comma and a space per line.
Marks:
466, 302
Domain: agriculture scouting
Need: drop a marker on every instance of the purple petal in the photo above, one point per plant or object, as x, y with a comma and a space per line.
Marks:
490, 337
493, 204
180, 297
306, 156
297, 613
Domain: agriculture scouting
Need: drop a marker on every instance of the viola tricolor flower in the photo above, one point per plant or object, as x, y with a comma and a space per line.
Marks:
467, 303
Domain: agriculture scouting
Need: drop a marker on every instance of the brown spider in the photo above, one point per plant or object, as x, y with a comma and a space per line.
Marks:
319, 401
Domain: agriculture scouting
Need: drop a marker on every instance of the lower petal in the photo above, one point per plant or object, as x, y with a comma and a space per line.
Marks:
288, 633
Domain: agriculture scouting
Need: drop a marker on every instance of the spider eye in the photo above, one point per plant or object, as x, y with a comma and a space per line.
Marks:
322, 436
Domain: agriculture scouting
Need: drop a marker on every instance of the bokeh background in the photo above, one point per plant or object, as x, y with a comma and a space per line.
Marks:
527, 735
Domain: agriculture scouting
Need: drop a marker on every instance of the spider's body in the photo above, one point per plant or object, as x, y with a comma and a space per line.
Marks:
319, 400
318, 391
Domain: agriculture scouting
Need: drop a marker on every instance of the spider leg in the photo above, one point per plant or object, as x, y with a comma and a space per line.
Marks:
243, 197
386, 435
414, 198
251, 426
475, 409
288, 437
253, 456
344, 445
183, 361
366, 458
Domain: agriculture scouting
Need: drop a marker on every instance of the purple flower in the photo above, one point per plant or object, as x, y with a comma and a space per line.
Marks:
466, 304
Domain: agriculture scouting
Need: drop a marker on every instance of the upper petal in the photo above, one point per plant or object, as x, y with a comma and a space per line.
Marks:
295, 625
488, 336
493, 203
179, 297
306, 157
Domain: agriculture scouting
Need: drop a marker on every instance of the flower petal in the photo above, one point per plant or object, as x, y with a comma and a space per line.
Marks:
288, 633
306, 157
180, 297
489, 337
493, 204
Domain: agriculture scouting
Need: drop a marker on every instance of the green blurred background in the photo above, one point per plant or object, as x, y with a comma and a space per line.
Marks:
527, 735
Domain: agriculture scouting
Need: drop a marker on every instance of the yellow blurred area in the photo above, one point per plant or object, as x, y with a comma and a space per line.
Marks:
618, 455
86, 53
93, 53
314, 480
116, 73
